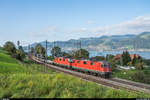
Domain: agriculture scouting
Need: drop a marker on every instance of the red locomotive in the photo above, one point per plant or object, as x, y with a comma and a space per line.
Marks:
99, 68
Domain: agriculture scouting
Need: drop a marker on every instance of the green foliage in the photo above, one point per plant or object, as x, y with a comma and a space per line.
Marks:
126, 57
98, 58
67, 55
109, 57
39, 49
50, 58
139, 65
18, 43
20, 55
10, 47
56, 51
129, 63
81, 54
134, 60
112, 64
20, 48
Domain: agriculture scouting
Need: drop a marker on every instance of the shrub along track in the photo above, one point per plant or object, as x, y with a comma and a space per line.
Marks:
113, 82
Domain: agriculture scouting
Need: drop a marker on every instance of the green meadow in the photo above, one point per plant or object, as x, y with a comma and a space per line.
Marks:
28, 80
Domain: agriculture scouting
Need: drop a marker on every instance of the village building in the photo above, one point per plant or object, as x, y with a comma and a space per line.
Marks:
118, 56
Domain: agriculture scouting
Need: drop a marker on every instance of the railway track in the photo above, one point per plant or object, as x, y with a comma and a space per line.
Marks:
113, 82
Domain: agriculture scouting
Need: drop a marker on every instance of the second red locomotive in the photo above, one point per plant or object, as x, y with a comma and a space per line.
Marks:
100, 68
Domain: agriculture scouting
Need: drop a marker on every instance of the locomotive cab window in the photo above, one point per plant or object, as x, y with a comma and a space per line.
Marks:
63, 59
92, 63
78, 62
104, 65
84, 62
60, 59
70, 60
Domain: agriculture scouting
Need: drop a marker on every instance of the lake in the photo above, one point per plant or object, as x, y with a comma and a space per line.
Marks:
144, 54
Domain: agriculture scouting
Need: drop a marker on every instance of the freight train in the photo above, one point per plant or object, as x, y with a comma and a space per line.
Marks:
99, 68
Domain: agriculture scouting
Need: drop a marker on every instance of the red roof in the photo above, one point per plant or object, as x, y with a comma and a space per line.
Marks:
118, 56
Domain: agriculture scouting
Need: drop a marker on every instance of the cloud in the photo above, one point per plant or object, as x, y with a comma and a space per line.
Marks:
137, 25
134, 26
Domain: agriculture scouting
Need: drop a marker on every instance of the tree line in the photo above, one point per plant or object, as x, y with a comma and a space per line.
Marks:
56, 51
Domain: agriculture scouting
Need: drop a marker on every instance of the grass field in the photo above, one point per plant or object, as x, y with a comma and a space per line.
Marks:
29, 81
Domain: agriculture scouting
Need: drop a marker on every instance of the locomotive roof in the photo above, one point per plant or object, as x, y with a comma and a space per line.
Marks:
105, 62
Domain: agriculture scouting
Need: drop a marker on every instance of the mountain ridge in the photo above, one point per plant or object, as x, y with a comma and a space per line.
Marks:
113, 42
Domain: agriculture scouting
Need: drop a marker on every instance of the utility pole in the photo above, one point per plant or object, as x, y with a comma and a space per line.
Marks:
29, 49
80, 47
80, 44
54, 50
45, 57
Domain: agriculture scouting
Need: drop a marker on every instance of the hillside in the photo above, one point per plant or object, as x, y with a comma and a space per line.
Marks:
114, 42
29, 81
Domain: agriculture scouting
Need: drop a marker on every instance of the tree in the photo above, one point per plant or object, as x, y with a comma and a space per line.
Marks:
109, 57
18, 43
134, 60
39, 49
56, 51
126, 57
97, 58
140, 59
112, 64
64, 54
20, 55
20, 48
10, 47
81, 54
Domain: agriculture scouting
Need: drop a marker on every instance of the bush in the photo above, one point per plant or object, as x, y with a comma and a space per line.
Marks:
139, 76
98, 58
50, 58
112, 64
139, 66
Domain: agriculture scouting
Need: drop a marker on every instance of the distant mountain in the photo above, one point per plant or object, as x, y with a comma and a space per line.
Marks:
114, 42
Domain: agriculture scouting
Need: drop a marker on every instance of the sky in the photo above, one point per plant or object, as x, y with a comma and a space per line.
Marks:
32, 21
